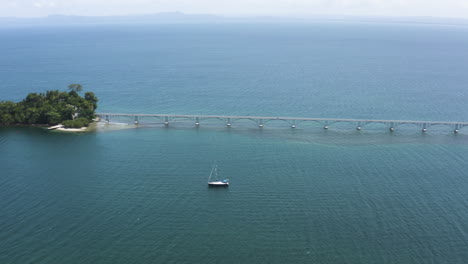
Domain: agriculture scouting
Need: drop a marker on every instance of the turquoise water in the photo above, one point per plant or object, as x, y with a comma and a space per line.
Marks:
411, 72
308, 195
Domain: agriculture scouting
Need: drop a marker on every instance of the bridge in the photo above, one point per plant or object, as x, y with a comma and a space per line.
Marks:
291, 121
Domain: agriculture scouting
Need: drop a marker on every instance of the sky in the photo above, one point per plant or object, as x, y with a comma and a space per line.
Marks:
290, 8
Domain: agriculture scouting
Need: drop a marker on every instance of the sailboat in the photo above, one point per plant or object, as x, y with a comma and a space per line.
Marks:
216, 181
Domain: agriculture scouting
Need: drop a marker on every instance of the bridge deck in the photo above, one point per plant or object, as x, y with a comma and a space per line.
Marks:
363, 121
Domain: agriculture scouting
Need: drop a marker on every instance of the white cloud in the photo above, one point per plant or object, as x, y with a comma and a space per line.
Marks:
44, 4
449, 8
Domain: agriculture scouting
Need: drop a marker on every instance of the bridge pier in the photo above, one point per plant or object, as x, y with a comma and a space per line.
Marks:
229, 122
392, 127
166, 120
456, 130
326, 125
424, 129
107, 119
359, 126
197, 121
260, 124
136, 122
293, 125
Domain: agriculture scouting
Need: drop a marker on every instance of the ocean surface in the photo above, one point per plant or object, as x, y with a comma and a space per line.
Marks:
126, 194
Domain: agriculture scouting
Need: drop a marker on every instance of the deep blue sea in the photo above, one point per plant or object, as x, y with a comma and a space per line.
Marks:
127, 194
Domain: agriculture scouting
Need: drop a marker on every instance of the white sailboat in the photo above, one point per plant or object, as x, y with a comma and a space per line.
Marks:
216, 181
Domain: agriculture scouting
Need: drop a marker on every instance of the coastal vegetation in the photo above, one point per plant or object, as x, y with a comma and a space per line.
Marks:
51, 108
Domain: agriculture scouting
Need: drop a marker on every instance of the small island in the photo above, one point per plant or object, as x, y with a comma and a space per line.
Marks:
66, 110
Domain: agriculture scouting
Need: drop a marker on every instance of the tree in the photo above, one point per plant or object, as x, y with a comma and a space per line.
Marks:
90, 97
77, 123
6, 118
53, 118
32, 115
75, 87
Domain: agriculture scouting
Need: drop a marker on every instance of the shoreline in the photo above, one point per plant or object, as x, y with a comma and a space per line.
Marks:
90, 127
82, 129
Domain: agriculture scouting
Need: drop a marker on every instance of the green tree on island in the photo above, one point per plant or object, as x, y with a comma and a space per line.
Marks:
51, 108
75, 87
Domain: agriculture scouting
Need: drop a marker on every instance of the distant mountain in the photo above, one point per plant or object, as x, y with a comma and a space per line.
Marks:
178, 17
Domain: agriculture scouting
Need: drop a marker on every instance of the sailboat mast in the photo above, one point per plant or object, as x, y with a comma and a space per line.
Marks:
211, 173
215, 170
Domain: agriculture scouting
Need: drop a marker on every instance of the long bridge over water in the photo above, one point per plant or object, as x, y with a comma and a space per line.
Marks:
293, 122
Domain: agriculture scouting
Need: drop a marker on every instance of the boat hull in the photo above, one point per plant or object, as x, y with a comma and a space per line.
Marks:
218, 184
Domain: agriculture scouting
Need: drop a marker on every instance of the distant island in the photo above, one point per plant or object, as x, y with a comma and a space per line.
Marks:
51, 108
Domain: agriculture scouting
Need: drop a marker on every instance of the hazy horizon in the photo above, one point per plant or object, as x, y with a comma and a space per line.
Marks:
184, 18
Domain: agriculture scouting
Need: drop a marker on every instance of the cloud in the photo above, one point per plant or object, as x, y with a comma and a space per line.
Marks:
450, 8
44, 4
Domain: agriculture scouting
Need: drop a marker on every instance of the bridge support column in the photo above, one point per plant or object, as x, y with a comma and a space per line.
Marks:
392, 127
229, 123
424, 129
260, 124
359, 126
136, 120
166, 120
107, 119
456, 130
326, 125
293, 125
197, 121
